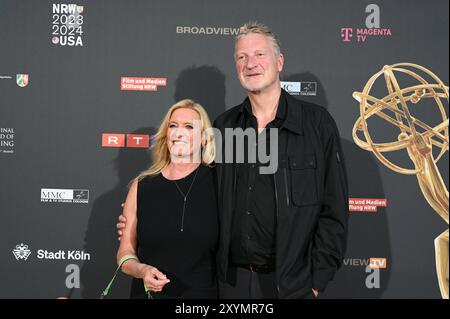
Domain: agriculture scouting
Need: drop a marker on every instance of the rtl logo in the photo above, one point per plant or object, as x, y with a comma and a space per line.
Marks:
125, 140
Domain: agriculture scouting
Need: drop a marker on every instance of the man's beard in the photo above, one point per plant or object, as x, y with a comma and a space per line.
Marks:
255, 88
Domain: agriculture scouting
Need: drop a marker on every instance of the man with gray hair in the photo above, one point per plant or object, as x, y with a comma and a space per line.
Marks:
283, 235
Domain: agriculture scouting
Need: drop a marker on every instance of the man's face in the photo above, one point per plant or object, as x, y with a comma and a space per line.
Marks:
256, 64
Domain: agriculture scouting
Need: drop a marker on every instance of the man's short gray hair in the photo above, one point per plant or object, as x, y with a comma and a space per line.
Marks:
256, 27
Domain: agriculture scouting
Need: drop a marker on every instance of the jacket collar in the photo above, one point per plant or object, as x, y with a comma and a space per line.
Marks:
293, 117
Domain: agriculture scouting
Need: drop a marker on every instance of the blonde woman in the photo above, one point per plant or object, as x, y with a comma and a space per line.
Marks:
172, 227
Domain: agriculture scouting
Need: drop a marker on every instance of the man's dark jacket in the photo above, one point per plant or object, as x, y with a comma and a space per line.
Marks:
311, 195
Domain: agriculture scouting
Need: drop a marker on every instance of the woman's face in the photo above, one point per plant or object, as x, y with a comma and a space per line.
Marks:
184, 136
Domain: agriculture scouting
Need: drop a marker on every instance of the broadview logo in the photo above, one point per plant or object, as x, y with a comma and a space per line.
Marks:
374, 263
202, 30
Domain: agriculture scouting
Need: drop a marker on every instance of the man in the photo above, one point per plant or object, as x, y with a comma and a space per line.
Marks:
283, 235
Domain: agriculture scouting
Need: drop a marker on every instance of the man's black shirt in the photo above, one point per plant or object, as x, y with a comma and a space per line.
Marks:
254, 223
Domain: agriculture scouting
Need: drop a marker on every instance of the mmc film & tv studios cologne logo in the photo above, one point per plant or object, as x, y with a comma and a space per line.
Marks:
372, 28
73, 196
300, 88
67, 24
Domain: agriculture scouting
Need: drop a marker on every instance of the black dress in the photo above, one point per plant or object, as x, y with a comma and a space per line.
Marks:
188, 257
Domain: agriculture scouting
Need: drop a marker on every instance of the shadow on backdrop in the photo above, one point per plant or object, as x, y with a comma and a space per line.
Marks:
368, 235
101, 238
205, 85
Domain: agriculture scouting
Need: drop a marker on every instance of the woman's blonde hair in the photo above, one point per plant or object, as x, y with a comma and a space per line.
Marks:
160, 151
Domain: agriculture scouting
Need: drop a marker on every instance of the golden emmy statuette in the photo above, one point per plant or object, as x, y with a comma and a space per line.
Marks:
417, 137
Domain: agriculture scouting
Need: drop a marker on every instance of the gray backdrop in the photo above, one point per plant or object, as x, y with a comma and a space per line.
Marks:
53, 126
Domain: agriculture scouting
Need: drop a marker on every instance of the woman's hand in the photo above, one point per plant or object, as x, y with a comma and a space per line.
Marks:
154, 280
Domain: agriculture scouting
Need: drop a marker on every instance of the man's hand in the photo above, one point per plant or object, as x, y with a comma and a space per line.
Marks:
121, 224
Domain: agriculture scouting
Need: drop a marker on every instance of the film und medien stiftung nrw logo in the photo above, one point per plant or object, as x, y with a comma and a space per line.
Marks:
51, 195
21, 252
67, 24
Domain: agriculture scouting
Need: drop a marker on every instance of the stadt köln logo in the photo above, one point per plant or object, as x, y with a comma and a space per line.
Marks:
21, 252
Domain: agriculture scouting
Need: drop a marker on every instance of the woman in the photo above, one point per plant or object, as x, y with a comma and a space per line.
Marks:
172, 229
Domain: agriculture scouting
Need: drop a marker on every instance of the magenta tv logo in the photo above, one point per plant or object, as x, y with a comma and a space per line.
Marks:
346, 34
372, 28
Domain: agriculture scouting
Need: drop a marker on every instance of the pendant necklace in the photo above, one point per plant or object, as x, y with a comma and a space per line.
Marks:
185, 198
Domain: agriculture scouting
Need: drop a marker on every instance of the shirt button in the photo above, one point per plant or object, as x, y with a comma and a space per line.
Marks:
250, 188
249, 237
249, 213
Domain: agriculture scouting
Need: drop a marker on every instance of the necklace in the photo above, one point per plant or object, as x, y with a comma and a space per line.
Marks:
185, 198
